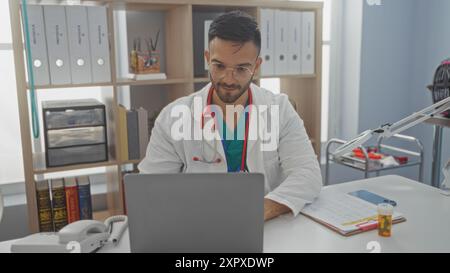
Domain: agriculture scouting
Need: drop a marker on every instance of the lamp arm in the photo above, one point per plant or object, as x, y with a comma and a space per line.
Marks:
388, 130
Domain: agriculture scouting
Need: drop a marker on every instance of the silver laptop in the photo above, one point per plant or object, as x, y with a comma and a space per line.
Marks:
195, 212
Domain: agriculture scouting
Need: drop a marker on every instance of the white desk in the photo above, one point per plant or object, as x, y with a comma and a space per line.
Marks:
427, 228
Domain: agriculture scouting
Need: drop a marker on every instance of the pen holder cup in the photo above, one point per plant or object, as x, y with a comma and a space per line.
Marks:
145, 62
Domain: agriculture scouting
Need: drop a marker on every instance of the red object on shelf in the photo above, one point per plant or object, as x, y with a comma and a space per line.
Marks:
359, 153
401, 159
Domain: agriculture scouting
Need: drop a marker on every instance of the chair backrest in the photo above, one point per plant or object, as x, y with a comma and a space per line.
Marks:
1, 206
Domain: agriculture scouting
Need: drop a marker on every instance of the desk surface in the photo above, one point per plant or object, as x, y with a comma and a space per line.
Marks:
427, 228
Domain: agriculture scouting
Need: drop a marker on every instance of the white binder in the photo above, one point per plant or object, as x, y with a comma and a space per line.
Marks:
281, 42
99, 41
267, 42
294, 42
58, 48
38, 45
79, 49
206, 38
308, 43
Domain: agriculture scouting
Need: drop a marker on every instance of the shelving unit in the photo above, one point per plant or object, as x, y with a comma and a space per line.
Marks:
179, 61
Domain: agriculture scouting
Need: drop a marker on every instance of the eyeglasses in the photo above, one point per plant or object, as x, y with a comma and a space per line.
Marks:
219, 70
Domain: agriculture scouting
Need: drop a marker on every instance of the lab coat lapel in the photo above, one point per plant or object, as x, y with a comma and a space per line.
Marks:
211, 146
257, 118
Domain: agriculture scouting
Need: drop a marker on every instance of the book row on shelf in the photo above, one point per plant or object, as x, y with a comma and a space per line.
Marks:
62, 201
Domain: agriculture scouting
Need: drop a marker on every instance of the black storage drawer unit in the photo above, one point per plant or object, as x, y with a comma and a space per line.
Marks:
75, 136
75, 132
77, 155
74, 113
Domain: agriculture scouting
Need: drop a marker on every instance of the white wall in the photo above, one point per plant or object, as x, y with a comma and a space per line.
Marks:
349, 74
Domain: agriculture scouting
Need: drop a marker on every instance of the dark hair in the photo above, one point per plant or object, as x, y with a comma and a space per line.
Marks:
236, 26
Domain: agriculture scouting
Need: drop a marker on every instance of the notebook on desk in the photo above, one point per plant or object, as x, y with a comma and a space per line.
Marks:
345, 214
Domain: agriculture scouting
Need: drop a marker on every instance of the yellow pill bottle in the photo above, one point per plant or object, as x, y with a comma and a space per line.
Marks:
385, 212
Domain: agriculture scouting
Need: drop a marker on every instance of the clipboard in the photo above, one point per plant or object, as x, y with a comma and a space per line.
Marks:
345, 214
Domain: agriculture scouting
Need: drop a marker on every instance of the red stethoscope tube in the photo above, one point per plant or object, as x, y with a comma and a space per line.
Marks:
247, 120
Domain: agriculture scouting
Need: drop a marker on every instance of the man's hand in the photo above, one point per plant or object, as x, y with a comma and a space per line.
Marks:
273, 209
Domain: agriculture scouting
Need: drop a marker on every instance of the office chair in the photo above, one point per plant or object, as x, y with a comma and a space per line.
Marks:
1, 206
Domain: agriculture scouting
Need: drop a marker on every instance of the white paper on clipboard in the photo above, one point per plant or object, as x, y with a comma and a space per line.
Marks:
342, 211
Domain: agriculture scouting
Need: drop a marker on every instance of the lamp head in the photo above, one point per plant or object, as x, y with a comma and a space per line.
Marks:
354, 143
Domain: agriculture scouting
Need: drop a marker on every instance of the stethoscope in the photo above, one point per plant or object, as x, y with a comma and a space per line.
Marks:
215, 159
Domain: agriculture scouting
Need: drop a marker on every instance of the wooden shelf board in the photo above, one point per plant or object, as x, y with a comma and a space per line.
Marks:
201, 80
306, 5
122, 82
45, 87
101, 215
134, 161
40, 168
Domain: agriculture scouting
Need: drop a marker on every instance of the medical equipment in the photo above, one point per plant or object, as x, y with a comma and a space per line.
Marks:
215, 159
80, 237
390, 130
414, 157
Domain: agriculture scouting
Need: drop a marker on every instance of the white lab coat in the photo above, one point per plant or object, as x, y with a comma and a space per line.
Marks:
292, 173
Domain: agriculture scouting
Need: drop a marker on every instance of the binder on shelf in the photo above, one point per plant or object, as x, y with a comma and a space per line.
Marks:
146, 77
57, 44
267, 42
122, 116
71, 189
308, 43
38, 45
143, 131
294, 42
44, 206
99, 42
78, 33
133, 135
84, 197
281, 42
207, 26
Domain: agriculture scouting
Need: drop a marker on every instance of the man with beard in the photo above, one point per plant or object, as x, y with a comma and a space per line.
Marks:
290, 167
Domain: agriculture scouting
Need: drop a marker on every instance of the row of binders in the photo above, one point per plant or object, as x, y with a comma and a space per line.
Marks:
134, 133
65, 201
287, 42
69, 44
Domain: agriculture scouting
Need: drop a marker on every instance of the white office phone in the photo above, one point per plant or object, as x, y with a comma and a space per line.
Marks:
83, 236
